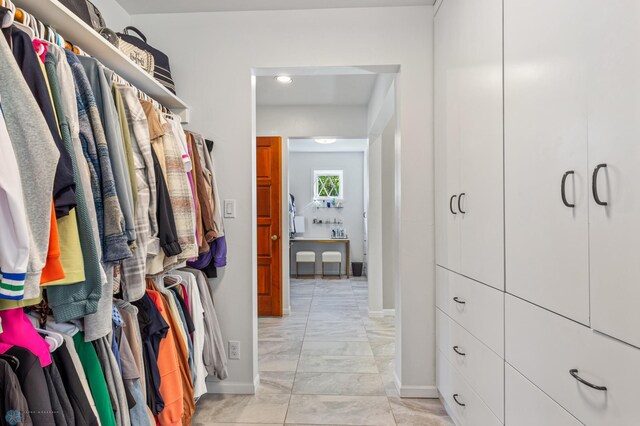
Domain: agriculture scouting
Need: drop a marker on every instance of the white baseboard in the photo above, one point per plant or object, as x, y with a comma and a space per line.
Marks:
234, 388
382, 313
286, 311
407, 391
418, 392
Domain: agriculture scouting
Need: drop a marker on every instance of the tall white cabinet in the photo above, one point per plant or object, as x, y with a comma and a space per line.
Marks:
614, 140
572, 151
547, 179
468, 116
469, 209
537, 119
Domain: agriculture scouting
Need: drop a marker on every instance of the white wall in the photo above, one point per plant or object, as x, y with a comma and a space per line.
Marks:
301, 178
387, 189
114, 15
317, 120
305, 121
375, 225
213, 56
382, 238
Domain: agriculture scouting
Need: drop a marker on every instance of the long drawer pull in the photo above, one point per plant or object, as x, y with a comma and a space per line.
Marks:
574, 374
563, 188
460, 203
594, 185
455, 398
451, 204
457, 300
456, 349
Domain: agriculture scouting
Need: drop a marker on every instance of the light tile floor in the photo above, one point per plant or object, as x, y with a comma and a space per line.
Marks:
327, 363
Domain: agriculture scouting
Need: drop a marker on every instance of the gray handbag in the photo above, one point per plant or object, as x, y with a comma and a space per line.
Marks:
86, 11
137, 55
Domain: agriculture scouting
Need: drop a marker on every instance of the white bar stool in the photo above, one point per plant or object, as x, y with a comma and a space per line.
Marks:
332, 257
306, 257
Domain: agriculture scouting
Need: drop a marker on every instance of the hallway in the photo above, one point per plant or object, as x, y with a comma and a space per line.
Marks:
327, 363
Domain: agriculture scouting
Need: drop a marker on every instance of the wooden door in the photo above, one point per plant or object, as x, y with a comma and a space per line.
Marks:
480, 202
614, 141
269, 214
447, 139
547, 247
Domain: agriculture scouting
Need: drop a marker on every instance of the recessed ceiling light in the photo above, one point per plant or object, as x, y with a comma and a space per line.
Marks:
325, 141
284, 79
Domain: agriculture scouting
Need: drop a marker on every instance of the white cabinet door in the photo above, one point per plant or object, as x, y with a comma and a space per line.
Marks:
468, 139
447, 139
614, 140
567, 361
526, 405
547, 246
464, 406
481, 368
479, 75
478, 308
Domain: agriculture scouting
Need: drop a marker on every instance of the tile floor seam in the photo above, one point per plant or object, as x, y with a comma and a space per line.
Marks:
349, 391
295, 374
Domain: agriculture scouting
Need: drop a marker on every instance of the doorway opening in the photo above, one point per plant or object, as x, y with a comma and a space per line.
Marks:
335, 333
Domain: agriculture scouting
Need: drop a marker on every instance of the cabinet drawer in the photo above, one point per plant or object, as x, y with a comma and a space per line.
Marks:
544, 347
480, 366
476, 307
526, 405
450, 383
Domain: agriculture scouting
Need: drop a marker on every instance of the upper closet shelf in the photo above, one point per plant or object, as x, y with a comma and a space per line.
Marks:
72, 28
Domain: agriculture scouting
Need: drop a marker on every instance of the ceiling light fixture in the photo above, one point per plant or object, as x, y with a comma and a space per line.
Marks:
284, 79
325, 141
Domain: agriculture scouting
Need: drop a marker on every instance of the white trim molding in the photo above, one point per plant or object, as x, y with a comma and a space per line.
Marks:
430, 392
376, 314
237, 388
382, 313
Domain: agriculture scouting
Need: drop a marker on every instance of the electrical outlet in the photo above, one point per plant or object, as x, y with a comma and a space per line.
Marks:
234, 349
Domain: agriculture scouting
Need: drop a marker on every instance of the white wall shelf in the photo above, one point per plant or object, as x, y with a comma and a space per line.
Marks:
72, 28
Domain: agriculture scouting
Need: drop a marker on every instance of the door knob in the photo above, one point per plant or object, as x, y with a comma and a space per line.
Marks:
274, 237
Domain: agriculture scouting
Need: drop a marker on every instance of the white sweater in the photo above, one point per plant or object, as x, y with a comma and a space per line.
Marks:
14, 244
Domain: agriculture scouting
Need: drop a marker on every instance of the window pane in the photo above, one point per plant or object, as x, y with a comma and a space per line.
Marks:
328, 184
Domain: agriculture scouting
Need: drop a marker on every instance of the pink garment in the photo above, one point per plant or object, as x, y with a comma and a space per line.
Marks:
17, 330
185, 296
4, 347
193, 194
41, 47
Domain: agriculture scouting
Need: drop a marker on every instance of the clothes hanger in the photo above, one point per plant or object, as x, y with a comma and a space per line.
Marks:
8, 14
175, 280
31, 22
13, 361
53, 344
41, 29
56, 337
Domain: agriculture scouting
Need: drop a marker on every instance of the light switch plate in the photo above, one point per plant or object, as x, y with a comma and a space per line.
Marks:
229, 208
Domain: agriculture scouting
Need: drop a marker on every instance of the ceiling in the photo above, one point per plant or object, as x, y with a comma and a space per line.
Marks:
316, 90
341, 145
184, 6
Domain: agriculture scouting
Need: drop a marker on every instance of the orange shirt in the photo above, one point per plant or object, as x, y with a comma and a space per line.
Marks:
52, 270
169, 368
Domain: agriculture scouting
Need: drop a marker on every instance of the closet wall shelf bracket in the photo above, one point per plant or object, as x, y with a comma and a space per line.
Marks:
72, 28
